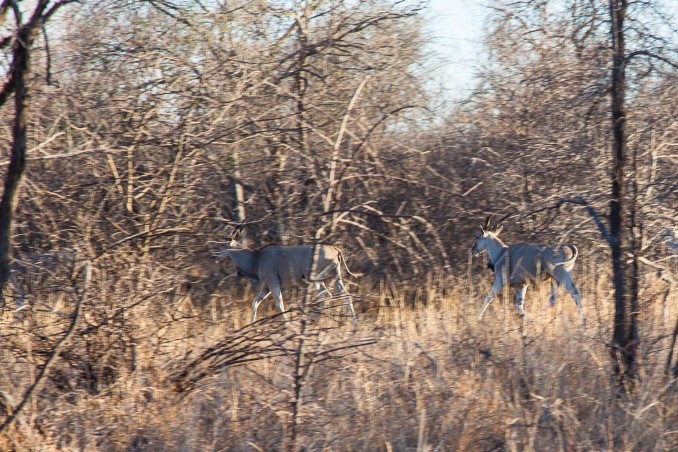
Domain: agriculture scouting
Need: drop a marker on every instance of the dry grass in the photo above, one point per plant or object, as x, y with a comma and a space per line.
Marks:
434, 379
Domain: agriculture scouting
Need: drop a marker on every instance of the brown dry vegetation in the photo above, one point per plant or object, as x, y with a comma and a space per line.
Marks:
153, 126
434, 377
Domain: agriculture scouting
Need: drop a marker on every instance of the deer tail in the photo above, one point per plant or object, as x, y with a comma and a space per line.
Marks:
343, 260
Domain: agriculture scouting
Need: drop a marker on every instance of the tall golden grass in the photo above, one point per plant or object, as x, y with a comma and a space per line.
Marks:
410, 376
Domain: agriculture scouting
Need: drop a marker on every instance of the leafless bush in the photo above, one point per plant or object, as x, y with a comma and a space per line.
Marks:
156, 124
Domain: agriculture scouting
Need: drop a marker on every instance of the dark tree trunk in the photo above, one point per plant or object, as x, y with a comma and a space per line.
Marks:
625, 336
18, 84
17, 163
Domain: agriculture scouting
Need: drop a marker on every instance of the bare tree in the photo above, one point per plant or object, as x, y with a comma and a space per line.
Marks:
622, 212
554, 67
18, 82
625, 224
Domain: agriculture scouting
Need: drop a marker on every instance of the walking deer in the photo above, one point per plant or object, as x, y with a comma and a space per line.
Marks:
276, 267
522, 263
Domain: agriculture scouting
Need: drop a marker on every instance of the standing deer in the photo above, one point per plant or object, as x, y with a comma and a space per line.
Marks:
522, 263
276, 267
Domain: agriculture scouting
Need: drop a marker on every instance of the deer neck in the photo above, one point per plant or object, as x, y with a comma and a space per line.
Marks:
495, 250
245, 261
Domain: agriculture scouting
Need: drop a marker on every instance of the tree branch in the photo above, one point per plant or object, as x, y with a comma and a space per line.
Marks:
8, 87
366, 213
579, 200
647, 53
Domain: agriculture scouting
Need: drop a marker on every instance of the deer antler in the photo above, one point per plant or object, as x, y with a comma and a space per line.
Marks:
502, 219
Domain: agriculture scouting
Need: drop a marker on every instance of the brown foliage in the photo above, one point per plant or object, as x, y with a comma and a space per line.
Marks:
162, 125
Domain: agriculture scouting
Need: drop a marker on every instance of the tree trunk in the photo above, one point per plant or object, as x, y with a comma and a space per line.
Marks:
17, 163
625, 336
238, 190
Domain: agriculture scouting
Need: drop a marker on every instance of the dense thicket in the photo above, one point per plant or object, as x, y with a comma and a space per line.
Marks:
157, 129
154, 125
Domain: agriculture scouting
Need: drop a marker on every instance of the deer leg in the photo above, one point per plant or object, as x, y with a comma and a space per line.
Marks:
496, 288
576, 296
565, 277
574, 292
341, 289
554, 292
263, 293
323, 293
321, 288
277, 296
520, 299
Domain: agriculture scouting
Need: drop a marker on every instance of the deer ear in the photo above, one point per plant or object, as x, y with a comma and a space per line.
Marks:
482, 229
499, 229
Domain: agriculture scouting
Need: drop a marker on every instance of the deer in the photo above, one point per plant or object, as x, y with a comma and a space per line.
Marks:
522, 263
276, 267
